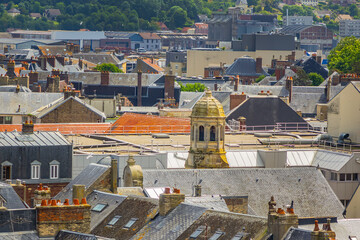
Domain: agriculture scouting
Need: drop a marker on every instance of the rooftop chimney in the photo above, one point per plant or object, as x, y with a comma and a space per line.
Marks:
289, 86
78, 191
51, 61
169, 86
197, 189
236, 100
41, 193
328, 89
28, 127
114, 175
168, 201
60, 59
11, 69
105, 78
33, 77
259, 65
139, 88
236, 83
325, 233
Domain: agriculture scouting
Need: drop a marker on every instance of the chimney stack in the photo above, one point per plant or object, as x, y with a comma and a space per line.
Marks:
236, 100
259, 65
41, 193
139, 88
197, 190
169, 86
236, 83
51, 61
28, 127
11, 69
325, 233
64, 76
78, 191
42, 62
105, 78
114, 175
60, 59
289, 86
168, 201
328, 89
215, 87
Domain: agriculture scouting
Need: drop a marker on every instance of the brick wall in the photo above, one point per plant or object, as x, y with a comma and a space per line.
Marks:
71, 112
237, 204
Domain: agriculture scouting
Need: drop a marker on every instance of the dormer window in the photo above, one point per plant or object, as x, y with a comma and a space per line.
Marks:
35, 169
54, 169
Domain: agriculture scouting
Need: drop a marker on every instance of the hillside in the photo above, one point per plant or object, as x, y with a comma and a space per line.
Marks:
109, 15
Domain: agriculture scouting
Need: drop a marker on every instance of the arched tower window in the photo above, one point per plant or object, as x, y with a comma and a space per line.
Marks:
201, 133
212, 133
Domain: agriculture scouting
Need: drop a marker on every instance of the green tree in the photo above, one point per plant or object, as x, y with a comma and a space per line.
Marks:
302, 79
316, 78
261, 77
177, 17
192, 87
108, 67
345, 57
353, 10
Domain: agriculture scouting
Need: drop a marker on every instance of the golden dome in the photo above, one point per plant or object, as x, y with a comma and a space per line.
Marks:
208, 106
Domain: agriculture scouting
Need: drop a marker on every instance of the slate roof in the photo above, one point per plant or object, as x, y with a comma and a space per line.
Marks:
12, 89
87, 177
28, 235
111, 200
218, 18
171, 226
188, 99
28, 101
40, 138
306, 186
244, 66
43, 111
69, 235
228, 223
293, 29
13, 200
133, 207
260, 111
310, 65
98, 58
297, 234
209, 202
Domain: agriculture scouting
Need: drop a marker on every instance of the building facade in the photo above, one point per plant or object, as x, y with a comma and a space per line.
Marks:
349, 28
297, 20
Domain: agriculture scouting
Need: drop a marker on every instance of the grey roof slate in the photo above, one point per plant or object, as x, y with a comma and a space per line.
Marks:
87, 177
41, 138
12, 88
13, 200
98, 58
171, 226
244, 66
188, 100
44, 110
210, 202
69, 235
307, 187
28, 101
28, 235
111, 200
297, 234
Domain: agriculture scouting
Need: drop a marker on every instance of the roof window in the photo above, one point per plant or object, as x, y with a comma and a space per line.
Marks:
130, 223
99, 207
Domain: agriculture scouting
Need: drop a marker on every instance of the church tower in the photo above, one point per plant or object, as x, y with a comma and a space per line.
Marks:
207, 147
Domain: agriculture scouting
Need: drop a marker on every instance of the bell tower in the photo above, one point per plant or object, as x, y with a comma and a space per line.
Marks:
207, 146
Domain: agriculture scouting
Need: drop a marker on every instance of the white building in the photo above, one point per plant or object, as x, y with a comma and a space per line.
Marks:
349, 28
309, 2
297, 20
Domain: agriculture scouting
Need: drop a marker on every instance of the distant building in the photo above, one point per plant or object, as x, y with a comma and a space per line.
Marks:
297, 20
182, 41
349, 28
309, 2
14, 12
176, 62
52, 14
319, 36
201, 28
344, 3
35, 15
342, 17
29, 34
150, 41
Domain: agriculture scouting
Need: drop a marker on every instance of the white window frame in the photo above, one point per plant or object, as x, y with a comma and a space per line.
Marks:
54, 171
35, 171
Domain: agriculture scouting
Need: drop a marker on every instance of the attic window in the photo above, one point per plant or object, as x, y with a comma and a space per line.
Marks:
197, 232
130, 223
99, 207
217, 235
238, 236
114, 220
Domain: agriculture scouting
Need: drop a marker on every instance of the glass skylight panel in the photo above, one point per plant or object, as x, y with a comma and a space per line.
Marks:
238, 236
114, 220
99, 207
217, 235
130, 223
197, 232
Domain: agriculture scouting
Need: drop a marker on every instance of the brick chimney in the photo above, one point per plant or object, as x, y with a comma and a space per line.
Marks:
42, 62
215, 87
139, 88
4, 80
259, 65
53, 84
105, 78
64, 76
280, 221
69, 93
328, 89
41, 193
55, 216
51, 61
197, 190
60, 59
289, 86
55, 72
81, 63
236, 100
28, 127
279, 72
11, 69
169, 86
236, 83
78, 191
36, 88
114, 175
325, 233
168, 201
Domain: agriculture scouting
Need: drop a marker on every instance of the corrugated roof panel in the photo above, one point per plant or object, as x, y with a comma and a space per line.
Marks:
39, 139
300, 158
331, 160
244, 159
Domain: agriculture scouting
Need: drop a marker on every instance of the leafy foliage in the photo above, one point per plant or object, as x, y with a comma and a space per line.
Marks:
192, 87
316, 78
261, 77
302, 79
108, 67
345, 57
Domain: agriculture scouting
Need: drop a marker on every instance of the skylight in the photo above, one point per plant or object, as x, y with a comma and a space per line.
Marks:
130, 223
217, 235
197, 232
99, 207
114, 220
238, 236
